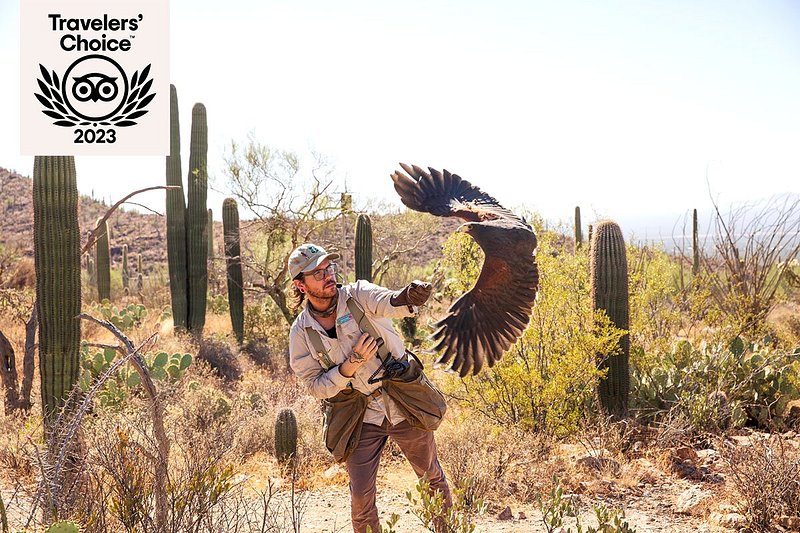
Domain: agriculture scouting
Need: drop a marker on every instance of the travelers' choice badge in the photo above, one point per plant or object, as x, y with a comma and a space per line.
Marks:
95, 77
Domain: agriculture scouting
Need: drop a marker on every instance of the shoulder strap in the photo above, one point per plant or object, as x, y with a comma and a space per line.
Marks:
367, 327
316, 341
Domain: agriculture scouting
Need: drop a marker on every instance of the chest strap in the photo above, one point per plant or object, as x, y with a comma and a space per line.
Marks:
367, 327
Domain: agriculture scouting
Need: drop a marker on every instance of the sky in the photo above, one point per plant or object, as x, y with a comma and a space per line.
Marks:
634, 110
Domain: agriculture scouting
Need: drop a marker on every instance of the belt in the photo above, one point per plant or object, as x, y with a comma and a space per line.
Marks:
376, 393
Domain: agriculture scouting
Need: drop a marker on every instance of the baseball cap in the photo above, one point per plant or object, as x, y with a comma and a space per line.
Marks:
307, 257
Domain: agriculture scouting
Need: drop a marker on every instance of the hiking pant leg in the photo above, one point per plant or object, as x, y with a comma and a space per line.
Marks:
362, 467
419, 447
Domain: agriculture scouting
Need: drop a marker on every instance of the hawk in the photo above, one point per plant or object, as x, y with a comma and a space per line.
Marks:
485, 322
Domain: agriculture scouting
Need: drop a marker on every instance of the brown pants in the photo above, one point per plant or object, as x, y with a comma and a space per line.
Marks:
419, 448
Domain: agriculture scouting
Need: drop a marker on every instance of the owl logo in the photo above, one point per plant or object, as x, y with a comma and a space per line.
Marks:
95, 91
103, 89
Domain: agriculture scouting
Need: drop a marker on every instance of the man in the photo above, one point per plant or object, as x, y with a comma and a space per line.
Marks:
347, 358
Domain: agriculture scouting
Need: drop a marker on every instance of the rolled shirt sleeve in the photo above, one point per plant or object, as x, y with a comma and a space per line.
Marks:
376, 300
321, 383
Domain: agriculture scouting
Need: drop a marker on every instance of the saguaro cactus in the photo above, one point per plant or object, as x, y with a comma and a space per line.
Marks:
695, 245
210, 234
578, 228
230, 226
103, 262
139, 273
125, 275
176, 220
57, 253
285, 436
363, 248
197, 220
608, 266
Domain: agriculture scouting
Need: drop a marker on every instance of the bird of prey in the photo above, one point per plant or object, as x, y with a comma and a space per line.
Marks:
486, 321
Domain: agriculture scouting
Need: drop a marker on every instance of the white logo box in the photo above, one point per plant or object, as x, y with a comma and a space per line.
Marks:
94, 77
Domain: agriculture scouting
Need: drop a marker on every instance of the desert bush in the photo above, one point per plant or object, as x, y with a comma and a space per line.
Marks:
219, 356
716, 385
766, 478
547, 379
554, 507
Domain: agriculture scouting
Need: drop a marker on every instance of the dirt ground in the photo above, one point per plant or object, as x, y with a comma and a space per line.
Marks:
650, 509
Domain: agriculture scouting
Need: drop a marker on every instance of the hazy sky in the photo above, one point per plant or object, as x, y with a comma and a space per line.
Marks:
622, 108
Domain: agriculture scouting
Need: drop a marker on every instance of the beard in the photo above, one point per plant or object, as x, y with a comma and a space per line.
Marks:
328, 292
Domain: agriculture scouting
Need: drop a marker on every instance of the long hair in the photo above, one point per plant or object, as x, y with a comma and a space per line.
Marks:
296, 298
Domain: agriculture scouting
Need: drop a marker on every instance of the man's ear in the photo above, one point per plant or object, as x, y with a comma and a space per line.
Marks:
299, 285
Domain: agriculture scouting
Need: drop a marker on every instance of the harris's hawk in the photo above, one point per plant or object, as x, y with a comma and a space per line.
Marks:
486, 321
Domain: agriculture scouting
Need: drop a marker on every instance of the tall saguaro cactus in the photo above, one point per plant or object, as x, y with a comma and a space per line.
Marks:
210, 234
578, 228
103, 262
125, 274
230, 225
197, 220
139, 273
187, 222
608, 266
176, 220
363, 248
56, 240
695, 245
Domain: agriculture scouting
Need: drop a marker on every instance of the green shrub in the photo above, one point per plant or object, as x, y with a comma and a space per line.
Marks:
545, 381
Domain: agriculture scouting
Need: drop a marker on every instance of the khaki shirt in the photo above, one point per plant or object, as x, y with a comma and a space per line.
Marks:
322, 383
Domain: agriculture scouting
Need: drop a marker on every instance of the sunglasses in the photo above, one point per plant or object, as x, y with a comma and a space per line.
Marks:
322, 273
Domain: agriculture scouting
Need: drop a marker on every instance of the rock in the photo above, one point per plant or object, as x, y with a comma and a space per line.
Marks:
598, 463
792, 523
693, 501
522, 516
506, 514
332, 471
791, 413
729, 520
685, 453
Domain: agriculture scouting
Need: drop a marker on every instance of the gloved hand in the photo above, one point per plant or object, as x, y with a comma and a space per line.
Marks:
415, 293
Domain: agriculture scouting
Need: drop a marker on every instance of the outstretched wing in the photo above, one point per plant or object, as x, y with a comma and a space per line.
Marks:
486, 321
444, 194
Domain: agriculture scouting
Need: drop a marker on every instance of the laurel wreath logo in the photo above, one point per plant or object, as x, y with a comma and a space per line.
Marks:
134, 107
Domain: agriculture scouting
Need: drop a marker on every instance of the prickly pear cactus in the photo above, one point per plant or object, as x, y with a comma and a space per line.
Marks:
230, 225
285, 436
176, 221
103, 263
608, 266
363, 248
408, 327
197, 220
57, 256
63, 527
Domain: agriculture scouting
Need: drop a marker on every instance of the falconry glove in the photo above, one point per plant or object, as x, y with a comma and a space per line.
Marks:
415, 293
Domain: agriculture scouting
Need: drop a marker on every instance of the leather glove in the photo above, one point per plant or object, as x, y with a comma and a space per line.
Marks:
415, 293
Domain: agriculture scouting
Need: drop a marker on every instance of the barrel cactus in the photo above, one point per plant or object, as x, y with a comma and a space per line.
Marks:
57, 256
103, 262
230, 225
176, 221
578, 228
197, 220
363, 248
285, 436
608, 266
